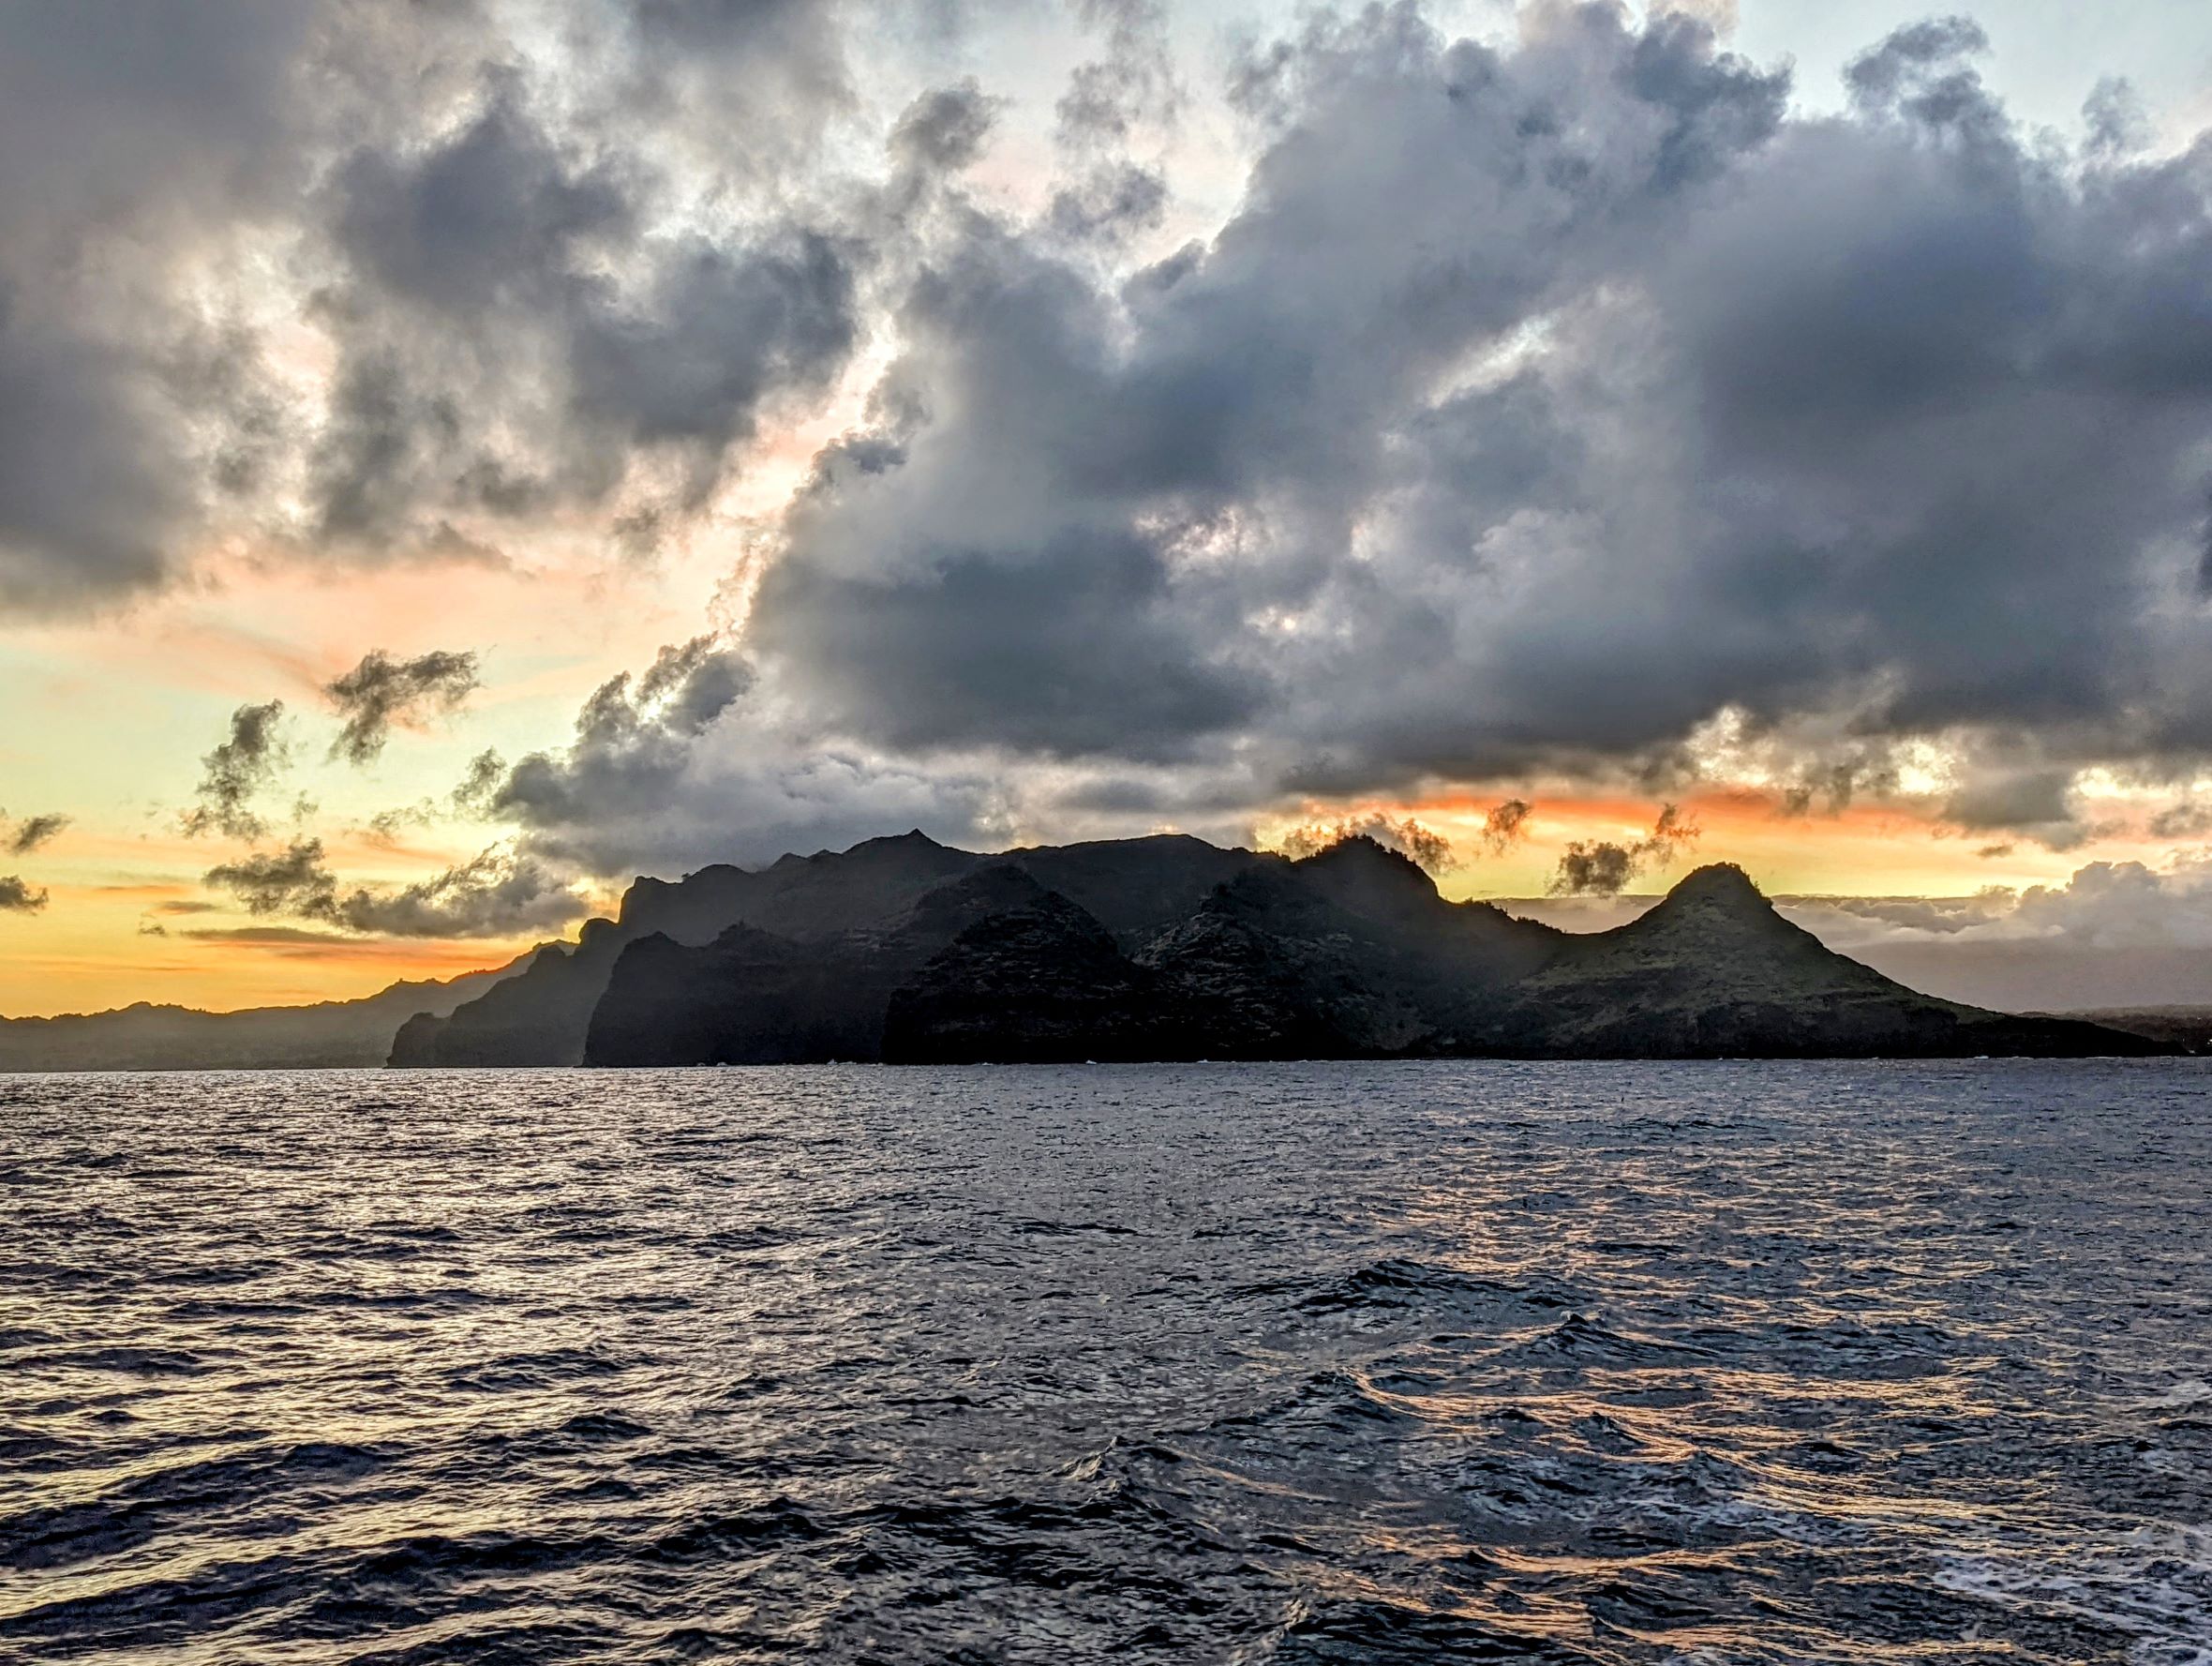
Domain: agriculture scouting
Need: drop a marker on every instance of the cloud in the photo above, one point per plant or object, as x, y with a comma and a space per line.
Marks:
382, 691
494, 894
678, 767
516, 342
236, 771
2113, 935
1535, 404
1425, 847
31, 832
1602, 868
1505, 825
18, 898
944, 129
493, 225
292, 882
125, 130
2104, 906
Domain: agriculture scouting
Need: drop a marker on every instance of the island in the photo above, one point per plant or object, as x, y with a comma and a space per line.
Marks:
902, 950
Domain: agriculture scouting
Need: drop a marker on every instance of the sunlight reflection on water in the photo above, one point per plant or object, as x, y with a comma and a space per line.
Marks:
1556, 1362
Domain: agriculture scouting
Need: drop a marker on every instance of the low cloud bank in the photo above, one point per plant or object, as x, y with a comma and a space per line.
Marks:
2116, 934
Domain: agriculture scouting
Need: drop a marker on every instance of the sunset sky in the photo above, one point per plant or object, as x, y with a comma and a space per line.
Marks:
457, 456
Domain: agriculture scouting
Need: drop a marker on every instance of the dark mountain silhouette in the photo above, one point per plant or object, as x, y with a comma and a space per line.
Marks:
330, 1035
902, 950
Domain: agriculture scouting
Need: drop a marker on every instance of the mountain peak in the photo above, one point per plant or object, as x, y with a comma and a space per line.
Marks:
1719, 897
1367, 877
1359, 853
1721, 882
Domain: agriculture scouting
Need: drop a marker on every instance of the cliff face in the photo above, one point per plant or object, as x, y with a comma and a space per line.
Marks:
758, 996
803, 897
902, 950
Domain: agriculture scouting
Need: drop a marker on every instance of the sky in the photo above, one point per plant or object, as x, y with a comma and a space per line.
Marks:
457, 456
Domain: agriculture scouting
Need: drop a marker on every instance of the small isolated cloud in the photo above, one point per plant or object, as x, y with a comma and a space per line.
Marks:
30, 833
1506, 825
266, 936
382, 691
1422, 845
18, 898
386, 828
1602, 868
236, 771
291, 882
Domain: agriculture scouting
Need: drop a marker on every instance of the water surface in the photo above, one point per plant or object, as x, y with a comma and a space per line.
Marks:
1588, 1363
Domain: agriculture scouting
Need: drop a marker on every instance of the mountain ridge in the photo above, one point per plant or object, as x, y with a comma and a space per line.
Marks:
322, 1035
901, 949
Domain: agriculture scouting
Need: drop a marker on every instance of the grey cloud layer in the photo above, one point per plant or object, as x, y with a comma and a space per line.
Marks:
683, 766
1537, 405
499, 234
1538, 400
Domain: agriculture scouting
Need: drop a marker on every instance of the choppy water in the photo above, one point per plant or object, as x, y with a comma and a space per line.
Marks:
1313, 1363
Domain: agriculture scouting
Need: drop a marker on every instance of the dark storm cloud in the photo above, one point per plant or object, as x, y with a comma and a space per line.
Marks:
18, 898
524, 313
495, 893
1537, 406
1106, 496
382, 691
495, 366
722, 331
116, 116
236, 771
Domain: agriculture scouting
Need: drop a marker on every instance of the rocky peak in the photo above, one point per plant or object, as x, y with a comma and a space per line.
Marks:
1719, 890
1367, 877
1714, 913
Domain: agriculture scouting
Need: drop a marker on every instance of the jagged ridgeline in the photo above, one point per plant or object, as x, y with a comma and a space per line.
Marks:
1168, 947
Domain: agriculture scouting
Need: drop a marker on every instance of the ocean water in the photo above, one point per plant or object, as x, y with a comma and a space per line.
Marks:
1563, 1362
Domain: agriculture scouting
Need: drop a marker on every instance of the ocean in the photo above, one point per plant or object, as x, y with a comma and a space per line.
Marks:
1706, 1363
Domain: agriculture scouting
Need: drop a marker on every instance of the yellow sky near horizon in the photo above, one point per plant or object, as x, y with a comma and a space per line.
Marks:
128, 919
